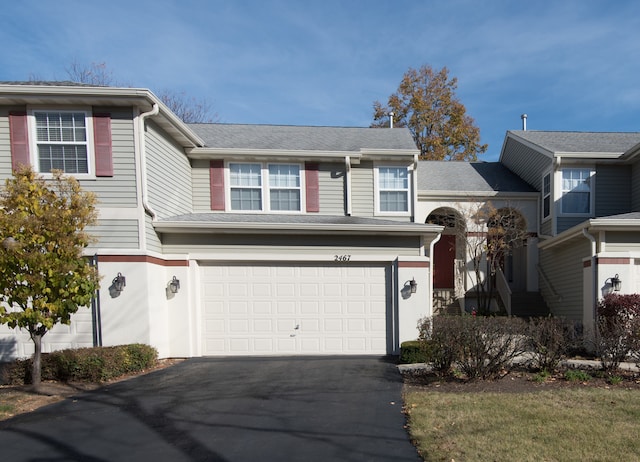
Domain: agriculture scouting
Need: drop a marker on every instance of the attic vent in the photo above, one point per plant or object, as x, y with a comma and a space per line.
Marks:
524, 121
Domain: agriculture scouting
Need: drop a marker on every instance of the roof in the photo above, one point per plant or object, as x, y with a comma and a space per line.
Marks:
298, 223
481, 177
50, 83
288, 137
580, 142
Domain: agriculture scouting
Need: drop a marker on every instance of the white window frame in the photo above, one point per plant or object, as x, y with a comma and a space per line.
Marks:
378, 190
591, 185
265, 187
547, 194
89, 142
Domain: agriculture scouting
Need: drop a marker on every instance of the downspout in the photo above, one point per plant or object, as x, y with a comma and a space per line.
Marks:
414, 183
143, 160
594, 272
347, 184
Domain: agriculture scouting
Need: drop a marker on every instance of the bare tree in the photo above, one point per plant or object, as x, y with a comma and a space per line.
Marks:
189, 109
92, 74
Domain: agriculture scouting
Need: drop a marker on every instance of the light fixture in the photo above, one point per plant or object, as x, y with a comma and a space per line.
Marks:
174, 285
413, 285
616, 283
119, 282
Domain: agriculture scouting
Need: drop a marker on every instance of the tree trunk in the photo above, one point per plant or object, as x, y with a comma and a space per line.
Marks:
36, 376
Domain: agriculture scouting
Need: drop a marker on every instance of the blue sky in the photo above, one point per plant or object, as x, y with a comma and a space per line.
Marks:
570, 65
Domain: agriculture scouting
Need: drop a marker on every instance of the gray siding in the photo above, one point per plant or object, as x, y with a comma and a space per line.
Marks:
525, 162
294, 245
622, 241
168, 174
331, 180
153, 240
565, 223
362, 190
115, 234
635, 186
612, 190
546, 228
5, 146
563, 267
200, 186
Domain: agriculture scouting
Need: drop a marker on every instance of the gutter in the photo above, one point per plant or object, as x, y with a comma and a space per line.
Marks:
143, 160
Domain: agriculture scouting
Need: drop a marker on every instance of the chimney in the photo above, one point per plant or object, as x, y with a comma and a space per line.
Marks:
524, 121
391, 114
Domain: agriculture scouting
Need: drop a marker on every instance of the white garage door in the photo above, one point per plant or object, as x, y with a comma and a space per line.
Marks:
295, 309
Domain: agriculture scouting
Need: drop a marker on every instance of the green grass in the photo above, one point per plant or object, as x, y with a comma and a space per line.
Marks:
558, 425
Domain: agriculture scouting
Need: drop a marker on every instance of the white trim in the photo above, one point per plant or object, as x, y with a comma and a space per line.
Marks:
592, 192
543, 218
89, 142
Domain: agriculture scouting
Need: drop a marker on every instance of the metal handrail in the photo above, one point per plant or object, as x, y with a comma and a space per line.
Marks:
548, 283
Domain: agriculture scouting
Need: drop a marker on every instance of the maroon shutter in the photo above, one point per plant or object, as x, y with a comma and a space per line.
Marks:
312, 188
216, 180
102, 144
19, 136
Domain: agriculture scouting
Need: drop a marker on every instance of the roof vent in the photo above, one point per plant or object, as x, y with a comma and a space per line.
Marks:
391, 114
524, 121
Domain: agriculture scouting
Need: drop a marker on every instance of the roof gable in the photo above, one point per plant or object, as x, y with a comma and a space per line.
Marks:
579, 142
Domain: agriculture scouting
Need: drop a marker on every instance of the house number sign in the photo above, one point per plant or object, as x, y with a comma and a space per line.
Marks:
342, 258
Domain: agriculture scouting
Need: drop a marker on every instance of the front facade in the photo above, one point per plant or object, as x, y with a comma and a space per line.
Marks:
284, 240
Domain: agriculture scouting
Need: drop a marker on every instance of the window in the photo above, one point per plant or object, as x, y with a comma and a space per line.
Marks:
576, 191
254, 185
246, 186
62, 141
393, 189
284, 187
546, 196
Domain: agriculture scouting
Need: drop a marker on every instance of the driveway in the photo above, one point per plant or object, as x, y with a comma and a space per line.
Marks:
248, 409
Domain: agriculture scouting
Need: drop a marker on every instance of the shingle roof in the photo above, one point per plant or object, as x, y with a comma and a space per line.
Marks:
622, 216
50, 83
580, 141
468, 176
287, 137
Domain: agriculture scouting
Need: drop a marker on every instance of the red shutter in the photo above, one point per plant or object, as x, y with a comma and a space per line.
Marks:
102, 144
19, 136
216, 181
312, 188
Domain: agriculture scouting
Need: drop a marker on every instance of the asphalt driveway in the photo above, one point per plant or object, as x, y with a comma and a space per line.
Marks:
249, 409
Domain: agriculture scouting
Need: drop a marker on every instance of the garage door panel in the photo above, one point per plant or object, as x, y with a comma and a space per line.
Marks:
256, 309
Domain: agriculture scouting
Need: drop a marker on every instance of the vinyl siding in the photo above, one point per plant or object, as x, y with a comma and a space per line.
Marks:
331, 179
362, 190
5, 146
612, 190
115, 234
200, 186
635, 186
168, 174
291, 245
622, 241
526, 162
563, 267
546, 228
153, 240
565, 223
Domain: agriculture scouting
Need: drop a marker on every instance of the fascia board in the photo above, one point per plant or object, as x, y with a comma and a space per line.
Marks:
219, 153
445, 194
386, 153
295, 228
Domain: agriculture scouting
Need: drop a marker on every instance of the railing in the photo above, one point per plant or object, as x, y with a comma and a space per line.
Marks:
502, 286
548, 284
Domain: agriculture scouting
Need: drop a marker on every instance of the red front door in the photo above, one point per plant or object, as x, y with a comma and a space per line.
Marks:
444, 254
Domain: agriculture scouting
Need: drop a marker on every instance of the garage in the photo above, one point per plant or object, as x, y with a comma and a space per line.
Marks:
303, 309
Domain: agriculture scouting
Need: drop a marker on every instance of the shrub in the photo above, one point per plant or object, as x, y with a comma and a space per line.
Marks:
438, 334
550, 341
577, 375
414, 351
617, 329
97, 364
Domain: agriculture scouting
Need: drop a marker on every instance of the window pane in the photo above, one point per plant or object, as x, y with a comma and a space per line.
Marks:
576, 191
245, 175
393, 178
546, 206
285, 199
284, 176
246, 199
394, 201
69, 159
576, 202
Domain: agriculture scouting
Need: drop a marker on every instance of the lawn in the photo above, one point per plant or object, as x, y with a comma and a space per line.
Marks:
564, 424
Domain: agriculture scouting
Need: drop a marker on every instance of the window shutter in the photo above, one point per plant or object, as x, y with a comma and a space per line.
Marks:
102, 144
312, 187
216, 180
19, 136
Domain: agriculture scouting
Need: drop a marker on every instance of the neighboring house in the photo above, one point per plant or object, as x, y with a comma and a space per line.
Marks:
589, 185
284, 240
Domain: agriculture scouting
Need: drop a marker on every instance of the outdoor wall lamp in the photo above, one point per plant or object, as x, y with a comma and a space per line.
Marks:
616, 283
413, 285
174, 285
119, 282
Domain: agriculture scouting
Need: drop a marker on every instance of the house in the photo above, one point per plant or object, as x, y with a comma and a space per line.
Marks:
217, 239
589, 213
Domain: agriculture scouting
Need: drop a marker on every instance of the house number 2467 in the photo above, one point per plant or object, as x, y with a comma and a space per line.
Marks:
342, 258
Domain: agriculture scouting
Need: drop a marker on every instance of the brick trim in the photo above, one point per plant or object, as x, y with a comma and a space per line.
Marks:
140, 259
